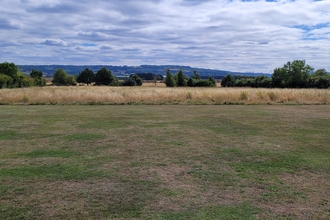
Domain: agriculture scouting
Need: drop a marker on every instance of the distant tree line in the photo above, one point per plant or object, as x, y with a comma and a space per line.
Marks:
296, 74
179, 79
104, 77
11, 77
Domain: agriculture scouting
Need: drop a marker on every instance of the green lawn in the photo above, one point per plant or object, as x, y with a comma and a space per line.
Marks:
165, 162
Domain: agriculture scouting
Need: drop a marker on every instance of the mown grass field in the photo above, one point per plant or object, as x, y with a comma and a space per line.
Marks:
165, 162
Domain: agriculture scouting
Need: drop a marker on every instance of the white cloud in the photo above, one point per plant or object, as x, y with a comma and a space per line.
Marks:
233, 35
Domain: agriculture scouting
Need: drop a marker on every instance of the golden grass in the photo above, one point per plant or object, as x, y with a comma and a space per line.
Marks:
161, 95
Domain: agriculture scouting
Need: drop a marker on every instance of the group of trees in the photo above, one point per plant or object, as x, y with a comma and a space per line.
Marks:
106, 78
180, 80
10, 77
296, 74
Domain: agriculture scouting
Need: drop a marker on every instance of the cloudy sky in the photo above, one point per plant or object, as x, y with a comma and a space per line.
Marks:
236, 35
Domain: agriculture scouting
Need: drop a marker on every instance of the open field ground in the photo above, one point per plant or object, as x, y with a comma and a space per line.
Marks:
164, 161
161, 95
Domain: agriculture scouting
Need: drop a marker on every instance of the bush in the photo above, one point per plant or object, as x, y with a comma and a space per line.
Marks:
129, 82
5, 81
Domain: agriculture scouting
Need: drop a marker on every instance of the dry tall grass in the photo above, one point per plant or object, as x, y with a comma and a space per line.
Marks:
161, 95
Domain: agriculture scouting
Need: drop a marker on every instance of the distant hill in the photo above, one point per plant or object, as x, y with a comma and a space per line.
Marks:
120, 71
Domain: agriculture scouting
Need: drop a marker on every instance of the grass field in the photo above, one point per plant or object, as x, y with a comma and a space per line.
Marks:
165, 162
149, 94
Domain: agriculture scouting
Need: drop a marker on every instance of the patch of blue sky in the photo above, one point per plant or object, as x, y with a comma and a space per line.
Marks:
88, 45
313, 27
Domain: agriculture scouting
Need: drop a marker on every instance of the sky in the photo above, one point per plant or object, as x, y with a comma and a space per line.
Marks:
233, 35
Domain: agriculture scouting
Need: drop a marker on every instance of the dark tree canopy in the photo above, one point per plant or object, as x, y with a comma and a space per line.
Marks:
105, 77
37, 77
36, 74
86, 76
292, 75
9, 69
181, 79
228, 81
169, 80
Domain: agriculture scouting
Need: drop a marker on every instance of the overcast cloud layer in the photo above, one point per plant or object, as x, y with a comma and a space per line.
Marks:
237, 35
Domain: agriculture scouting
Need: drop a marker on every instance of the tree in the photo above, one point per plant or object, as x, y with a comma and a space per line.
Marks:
181, 79
37, 78
105, 77
86, 76
280, 78
60, 77
212, 81
319, 79
196, 75
36, 74
320, 72
11, 70
169, 81
292, 75
299, 73
228, 81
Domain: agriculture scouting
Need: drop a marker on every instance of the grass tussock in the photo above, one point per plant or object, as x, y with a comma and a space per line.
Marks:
161, 95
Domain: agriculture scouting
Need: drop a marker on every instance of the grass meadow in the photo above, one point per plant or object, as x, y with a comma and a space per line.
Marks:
159, 95
162, 161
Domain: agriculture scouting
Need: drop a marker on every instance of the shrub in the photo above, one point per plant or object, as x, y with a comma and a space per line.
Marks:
5, 81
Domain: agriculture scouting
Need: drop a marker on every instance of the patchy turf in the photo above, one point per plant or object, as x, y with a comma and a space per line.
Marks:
164, 162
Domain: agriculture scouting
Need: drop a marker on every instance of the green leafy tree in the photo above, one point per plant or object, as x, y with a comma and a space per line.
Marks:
169, 80
196, 75
192, 82
36, 74
228, 81
212, 81
280, 78
86, 76
11, 70
37, 78
181, 79
319, 79
105, 77
292, 75
59, 78
320, 72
